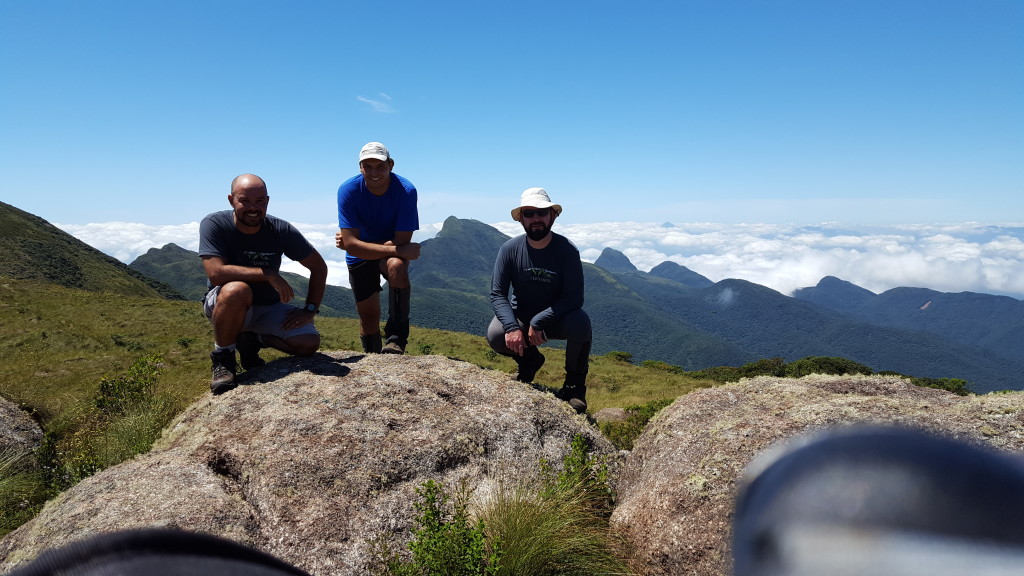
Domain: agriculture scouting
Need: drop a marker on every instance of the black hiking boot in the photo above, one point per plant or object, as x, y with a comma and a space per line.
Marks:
574, 391
529, 363
248, 346
224, 369
371, 343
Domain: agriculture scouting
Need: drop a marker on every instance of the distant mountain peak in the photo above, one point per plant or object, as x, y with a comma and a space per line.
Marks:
681, 274
614, 261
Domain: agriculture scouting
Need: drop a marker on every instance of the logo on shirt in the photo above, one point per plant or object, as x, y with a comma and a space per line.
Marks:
541, 274
259, 259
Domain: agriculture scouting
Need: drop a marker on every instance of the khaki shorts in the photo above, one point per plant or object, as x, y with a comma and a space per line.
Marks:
262, 319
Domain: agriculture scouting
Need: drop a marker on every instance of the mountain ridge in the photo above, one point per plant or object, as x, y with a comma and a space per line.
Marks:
677, 316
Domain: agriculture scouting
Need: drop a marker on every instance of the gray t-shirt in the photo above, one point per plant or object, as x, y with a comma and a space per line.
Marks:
219, 237
536, 286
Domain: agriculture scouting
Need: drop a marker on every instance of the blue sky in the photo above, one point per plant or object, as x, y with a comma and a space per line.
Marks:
872, 112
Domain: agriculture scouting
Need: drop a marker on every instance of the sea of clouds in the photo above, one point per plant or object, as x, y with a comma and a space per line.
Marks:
967, 257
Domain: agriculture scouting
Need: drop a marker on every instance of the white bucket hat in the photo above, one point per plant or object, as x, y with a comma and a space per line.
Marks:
536, 198
374, 150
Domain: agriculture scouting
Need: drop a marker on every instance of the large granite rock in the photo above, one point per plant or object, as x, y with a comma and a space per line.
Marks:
318, 457
677, 488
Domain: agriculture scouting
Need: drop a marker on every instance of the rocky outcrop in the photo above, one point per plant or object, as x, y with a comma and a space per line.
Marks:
678, 485
317, 457
19, 434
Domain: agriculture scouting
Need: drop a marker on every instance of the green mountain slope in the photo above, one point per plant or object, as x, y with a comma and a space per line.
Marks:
33, 249
988, 321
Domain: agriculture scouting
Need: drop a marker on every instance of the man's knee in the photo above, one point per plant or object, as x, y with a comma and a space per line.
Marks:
305, 345
576, 326
397, 272
234, 294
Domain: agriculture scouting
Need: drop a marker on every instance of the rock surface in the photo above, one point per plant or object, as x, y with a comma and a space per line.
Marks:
318, 457
19, 433
678, 486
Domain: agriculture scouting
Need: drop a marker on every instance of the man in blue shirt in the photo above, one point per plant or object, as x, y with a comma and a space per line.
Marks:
537, 295
377, 216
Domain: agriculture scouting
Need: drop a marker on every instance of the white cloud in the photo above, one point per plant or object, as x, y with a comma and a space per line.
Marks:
380, 104
948, 258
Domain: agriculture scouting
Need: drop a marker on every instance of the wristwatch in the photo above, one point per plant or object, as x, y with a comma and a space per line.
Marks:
313, 308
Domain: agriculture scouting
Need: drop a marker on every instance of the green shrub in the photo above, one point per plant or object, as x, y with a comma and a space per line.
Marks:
624, 357
116, 395
762, 367
825, 365
66, 461
663, 366
718, 374
446, 542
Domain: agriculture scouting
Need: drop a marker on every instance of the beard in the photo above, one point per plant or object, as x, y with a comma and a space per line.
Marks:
251, 219
537, 231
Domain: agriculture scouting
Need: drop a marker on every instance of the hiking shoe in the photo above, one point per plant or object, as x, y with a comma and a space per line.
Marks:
576, 396
529, 364
393, 347
579, 405
248, 346
224, 369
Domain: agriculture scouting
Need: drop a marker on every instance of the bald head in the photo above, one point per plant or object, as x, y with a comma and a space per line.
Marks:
249, 200
248, 182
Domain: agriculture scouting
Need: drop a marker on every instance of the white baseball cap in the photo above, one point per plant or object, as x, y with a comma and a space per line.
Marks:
537, 198
374, 150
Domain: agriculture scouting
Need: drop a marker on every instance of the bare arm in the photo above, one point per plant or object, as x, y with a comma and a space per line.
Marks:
317, 277
220, 273
401, 246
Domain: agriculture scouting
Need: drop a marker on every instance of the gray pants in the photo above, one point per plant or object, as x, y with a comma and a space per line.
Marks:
574, 328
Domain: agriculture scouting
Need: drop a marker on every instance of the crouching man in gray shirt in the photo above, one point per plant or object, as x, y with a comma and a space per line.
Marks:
537, 295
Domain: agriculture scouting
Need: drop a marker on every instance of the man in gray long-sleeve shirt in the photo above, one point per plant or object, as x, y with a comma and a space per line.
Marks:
537, 295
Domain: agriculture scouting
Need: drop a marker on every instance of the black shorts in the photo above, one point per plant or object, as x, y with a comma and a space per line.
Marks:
364, 279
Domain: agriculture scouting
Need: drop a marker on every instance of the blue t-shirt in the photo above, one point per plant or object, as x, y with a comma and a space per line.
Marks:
219, 237
377, 217
536, 286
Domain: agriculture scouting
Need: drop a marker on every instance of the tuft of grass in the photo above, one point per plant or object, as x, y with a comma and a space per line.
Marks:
20, 488
562, 529
555, 527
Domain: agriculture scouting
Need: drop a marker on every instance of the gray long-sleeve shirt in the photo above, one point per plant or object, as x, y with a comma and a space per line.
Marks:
536, 286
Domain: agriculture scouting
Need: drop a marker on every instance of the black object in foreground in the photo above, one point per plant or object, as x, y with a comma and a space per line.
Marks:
880, 501
156, 552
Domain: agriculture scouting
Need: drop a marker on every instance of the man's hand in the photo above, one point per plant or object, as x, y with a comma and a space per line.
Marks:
514, 341
537, 337
339, 241
297, 317
284, 290
410, 251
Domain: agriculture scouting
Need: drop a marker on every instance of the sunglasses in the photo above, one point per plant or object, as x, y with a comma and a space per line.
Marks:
540, 212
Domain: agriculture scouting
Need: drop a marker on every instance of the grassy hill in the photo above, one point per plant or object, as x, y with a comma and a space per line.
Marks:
33, 249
